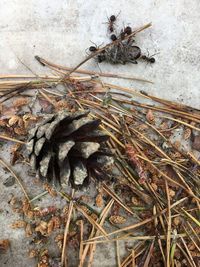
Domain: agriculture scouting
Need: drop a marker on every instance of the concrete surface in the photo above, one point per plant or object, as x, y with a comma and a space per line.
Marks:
61, 30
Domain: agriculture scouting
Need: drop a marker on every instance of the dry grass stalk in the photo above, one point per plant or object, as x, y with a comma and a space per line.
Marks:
63, 256
5, 165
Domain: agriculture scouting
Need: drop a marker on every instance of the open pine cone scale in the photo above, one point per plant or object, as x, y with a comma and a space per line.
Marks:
68, 146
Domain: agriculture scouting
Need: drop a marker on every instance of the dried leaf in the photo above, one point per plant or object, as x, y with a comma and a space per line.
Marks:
150, 116
177, 220
13, 120
18, 224
85, 209
62, 104
85, 198
171, 193
59, 237
57, 222
53, 224
177, 144
60, 244
196, 254
117, 219
15, 154
142, 127
50, 227
65, 211
44, 259
25, 205
20, 131
99, 201
28, 119
164, 125
191, 246
136, 162
33, 253
45, 211
28, 230
30, 214
2, 123
154, 186
187, 133
19, 102
135, 201
42, 228
51, 191
94, 216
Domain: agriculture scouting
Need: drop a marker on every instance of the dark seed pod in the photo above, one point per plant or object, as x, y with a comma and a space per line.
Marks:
67, 146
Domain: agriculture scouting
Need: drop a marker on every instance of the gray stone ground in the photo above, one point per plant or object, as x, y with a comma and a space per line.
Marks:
61, 31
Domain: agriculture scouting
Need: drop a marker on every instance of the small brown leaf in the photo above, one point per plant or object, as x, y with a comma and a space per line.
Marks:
187, 133
33, 253
57, 222
22, 101
177, 220
171, 193
94, 216
117, 219
142, 127
28, 230
53, 224
2, 123
13, 120
150, 116
164, 125
154, 186
62, 104
15, 154
25, 206
42, 228
20, 131
99, 201
50, 190
18, 224
50, 227
59, 240
135, 201
177, 144
28, 119
59, 237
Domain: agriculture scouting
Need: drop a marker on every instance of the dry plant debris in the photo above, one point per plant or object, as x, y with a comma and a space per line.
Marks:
154, 186
4, 245
122, 49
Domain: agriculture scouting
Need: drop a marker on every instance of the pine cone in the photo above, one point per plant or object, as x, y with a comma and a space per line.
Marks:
68, 146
